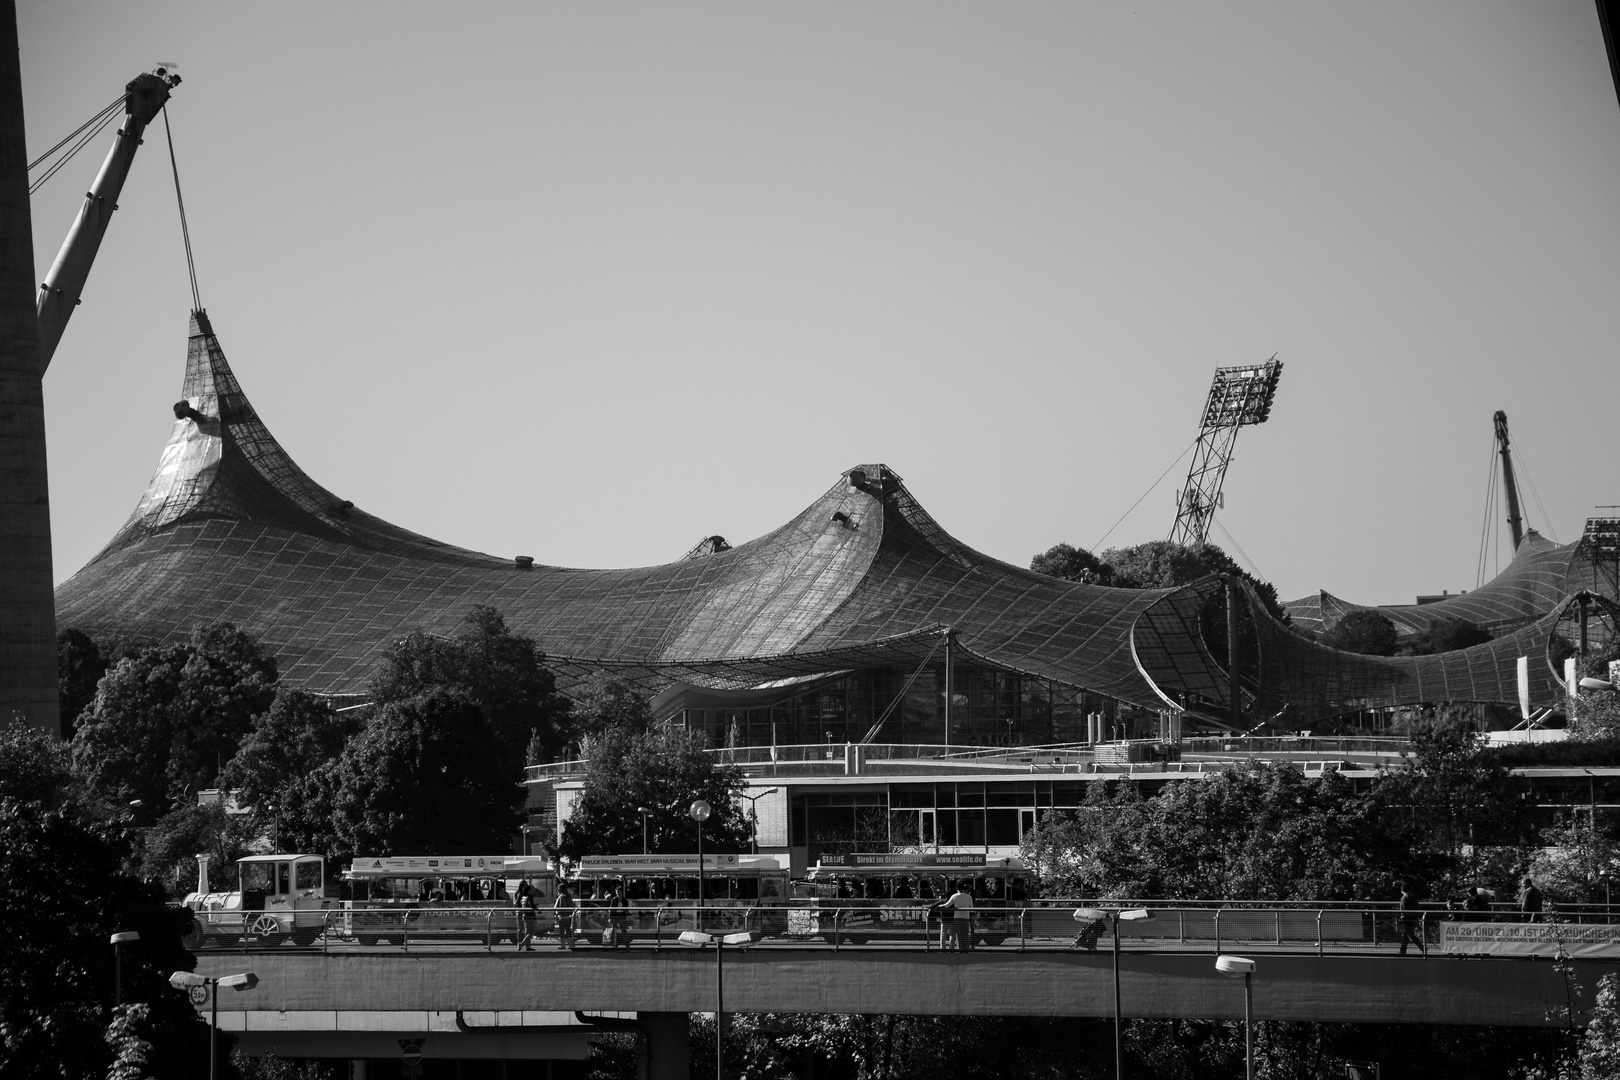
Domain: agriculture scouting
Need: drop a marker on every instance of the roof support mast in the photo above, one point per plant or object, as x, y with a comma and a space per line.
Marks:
59, 293
1509, 484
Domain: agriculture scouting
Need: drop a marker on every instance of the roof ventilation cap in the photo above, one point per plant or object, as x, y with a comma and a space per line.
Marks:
524, 562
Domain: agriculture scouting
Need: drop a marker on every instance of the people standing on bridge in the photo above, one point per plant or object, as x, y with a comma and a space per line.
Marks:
1411, 921
619, 918
528, 915
957, 912
565, 919
1530, 901
1478, 905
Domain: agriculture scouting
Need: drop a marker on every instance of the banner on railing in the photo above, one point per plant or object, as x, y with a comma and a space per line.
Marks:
1530, 939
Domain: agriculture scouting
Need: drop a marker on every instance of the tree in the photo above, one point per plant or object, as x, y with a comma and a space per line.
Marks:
663, 769
79, 667
168, 848
1072, 564
167, 719
606, 703
297, 735
1450, 808
1160, 564
1597, 716
1253, 832
63, 891
1446, 635
501, 672
425, 774
1365, 632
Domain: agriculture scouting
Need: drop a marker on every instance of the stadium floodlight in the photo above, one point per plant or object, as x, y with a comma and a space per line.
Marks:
1239, 397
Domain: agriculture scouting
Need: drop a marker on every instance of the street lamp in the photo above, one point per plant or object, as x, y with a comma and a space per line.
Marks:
118, 941
645, 813
753, 816
1239, 967
700, 811
1127, 915
719, 941
198, 987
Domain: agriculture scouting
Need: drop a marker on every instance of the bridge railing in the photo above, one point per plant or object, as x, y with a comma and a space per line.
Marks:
833, 924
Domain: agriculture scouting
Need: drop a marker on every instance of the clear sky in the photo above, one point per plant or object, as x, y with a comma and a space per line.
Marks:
588, 282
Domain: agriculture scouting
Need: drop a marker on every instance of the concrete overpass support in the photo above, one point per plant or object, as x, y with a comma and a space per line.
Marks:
27, 604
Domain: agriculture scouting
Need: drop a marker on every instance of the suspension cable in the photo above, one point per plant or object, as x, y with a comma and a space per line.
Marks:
185, 231
1490, 513
84, 140
100, 114
1145, 494
1529, 479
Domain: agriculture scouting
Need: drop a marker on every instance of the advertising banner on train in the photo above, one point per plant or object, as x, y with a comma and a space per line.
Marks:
1530, 939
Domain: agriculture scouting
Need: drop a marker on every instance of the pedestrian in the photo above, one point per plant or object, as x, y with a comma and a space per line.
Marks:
1530, 901
1477, 905
565, 919
619, 918
1090, 928
1411, 921
958, 910
527, 916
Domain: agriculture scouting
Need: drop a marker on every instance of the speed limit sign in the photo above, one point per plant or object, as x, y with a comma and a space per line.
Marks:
199, 995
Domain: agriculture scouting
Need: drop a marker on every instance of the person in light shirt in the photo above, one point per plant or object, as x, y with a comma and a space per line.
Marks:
957, 911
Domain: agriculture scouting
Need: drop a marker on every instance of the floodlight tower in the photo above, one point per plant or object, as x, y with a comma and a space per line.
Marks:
1239, 396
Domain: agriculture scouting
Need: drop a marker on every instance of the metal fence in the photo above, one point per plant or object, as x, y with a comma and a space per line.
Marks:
1202, 926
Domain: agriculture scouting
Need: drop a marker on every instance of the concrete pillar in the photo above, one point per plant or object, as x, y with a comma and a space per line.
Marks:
27, 604
668, 1057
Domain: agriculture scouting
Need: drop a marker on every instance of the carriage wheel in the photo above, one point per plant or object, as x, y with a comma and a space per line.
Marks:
266, 929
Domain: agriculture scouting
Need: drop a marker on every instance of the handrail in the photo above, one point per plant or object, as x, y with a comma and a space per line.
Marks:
1320, 929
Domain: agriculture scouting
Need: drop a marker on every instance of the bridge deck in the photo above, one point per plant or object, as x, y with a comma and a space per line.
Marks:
987, 982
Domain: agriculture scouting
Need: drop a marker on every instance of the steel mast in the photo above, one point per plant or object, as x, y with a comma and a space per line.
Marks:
1509, 484
59, 293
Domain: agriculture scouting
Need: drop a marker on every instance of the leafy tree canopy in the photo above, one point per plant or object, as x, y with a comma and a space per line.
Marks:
1254, 832
1072, 564
297, 735
1365, 632
426, 773
167, 719
1157, 564
606, 703
63, 891
662, 769
1446, 635
79, 667
501, 672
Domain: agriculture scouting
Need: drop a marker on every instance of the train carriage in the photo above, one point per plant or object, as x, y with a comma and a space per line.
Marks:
661, 897
874, 896
444, 897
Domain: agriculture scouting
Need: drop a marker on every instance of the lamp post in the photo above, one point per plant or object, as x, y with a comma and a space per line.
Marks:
1239, 967
202, 988
719, 941
118, 941
645, 813
700, 811
1127, 915
753, 816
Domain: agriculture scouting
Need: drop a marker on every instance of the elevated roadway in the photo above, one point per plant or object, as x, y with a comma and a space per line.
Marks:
500, 994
